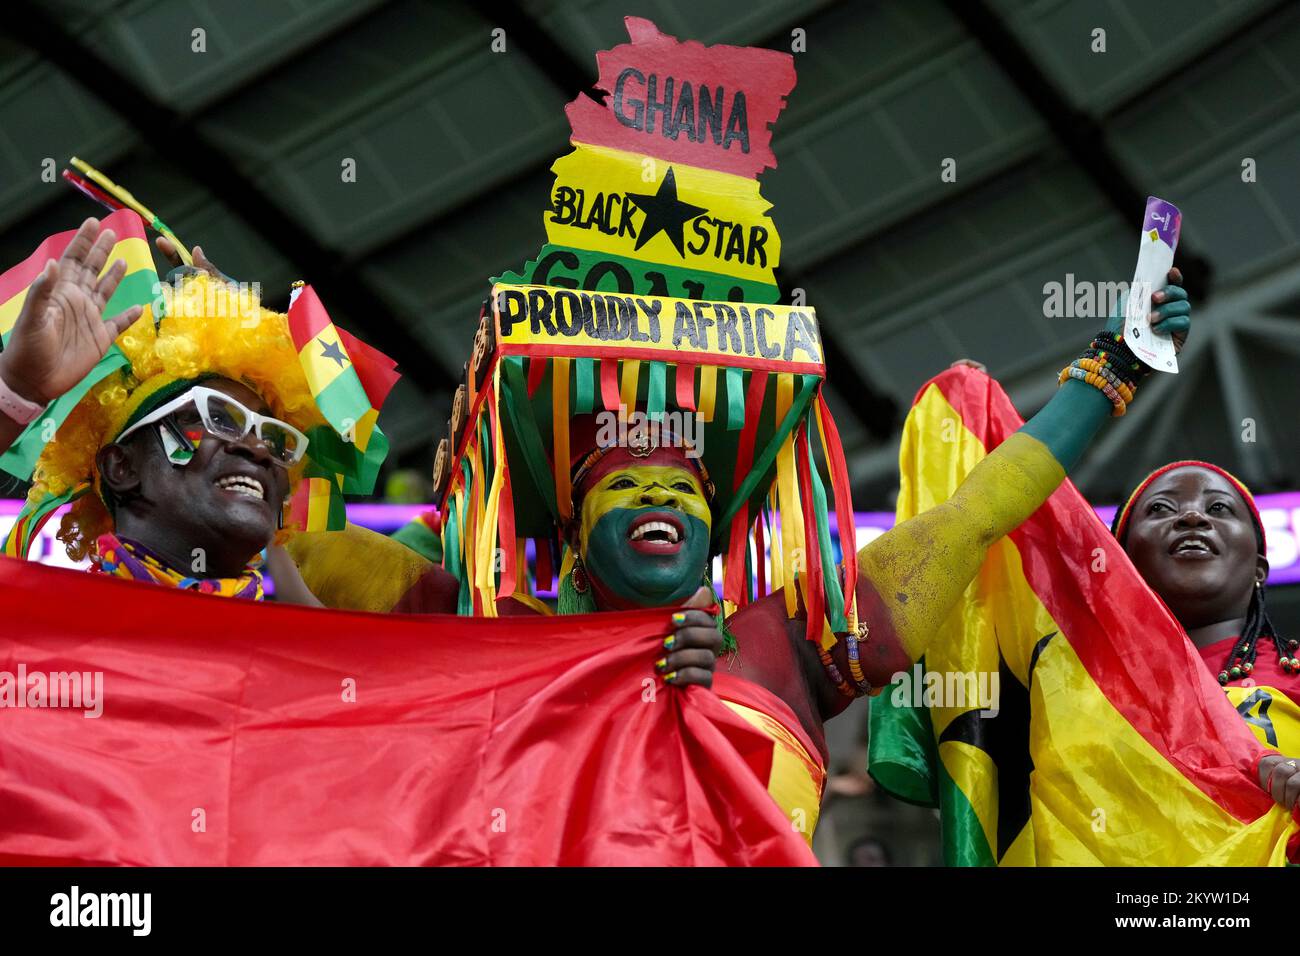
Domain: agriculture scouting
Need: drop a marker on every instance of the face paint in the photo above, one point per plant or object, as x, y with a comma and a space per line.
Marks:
645, 533
177, 453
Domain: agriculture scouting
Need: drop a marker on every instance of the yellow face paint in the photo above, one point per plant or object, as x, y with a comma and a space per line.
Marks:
643, 486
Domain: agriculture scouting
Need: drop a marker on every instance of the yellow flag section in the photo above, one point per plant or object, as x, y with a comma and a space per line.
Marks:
640, 207
1060, 716
1272, 716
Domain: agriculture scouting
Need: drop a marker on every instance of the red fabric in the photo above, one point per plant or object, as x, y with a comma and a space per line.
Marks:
537, 726
378, 373
1267, 672
1195, 729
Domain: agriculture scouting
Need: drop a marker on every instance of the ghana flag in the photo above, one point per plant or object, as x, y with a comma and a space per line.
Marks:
139, 286
349, 381
1107, 742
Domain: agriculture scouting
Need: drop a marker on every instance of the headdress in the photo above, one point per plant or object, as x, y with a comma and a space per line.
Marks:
658, 199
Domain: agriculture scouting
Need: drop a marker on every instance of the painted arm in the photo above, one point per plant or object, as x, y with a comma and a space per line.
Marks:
915, 573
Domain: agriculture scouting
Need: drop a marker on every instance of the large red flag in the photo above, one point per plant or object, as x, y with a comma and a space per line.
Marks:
249, 734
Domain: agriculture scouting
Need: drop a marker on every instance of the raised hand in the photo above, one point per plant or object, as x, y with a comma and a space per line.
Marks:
61, 333
1170, 312
201, 262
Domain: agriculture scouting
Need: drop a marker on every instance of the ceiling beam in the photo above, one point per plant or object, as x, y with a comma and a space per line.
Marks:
207, 161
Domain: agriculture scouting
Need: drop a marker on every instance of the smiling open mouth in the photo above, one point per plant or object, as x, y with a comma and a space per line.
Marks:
242, 485
657, 532
1193, 546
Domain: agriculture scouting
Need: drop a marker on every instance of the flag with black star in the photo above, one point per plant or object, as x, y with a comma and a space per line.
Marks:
1060, 716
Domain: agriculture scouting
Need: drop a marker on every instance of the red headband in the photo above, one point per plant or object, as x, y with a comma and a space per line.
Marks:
1120, 527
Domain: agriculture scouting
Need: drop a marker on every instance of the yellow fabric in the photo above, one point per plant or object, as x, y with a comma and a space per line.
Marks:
796, 780
356, 569
1100, 793
1271, 707
708, 391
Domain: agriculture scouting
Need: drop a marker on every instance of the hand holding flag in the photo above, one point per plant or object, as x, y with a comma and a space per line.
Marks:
60, 333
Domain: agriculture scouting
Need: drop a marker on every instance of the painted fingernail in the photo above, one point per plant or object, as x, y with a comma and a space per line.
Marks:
661, 663
669, 642
1158, 297
668, 678
679, 618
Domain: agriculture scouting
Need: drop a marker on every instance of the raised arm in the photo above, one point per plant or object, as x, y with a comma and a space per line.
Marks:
914, 574
60, 332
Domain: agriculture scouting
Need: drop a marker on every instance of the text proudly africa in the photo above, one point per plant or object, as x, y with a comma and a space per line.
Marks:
539, 315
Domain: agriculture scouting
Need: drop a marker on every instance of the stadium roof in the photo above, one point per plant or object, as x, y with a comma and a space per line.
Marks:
239, 148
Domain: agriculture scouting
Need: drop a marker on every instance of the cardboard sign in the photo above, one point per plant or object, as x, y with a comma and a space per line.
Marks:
660, 195
540, 320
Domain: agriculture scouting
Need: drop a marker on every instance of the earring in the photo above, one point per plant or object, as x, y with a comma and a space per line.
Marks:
579, 576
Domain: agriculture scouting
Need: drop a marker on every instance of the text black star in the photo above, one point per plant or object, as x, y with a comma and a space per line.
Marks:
665, 213
332, 351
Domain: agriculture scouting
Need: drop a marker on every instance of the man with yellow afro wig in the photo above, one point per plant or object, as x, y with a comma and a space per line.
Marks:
180, 464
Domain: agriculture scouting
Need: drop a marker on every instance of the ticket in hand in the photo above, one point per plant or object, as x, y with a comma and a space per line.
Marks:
1159, 239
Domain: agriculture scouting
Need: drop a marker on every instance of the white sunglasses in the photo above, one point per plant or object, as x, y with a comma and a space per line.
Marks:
228, 420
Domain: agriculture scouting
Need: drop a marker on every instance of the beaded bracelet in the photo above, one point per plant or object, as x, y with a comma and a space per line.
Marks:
834, 674
1115, 364
1097, 382
852, 639
1125, 362
1100, 368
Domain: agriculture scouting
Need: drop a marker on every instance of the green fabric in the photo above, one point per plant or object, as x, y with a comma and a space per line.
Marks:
421, 539
765, 459
584, 397
20, 458
655, 396
736, 398
832, 587
901, 752
524, 425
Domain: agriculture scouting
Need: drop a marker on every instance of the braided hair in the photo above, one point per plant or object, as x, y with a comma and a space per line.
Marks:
1241, 659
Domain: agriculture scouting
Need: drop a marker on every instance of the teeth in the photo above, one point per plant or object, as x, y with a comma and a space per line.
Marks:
642, 530
243, 486
1193, 544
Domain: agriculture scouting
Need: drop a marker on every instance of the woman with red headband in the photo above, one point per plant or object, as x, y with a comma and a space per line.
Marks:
1194, 534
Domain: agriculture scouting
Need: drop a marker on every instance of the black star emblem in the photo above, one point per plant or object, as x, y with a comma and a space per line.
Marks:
332, 351
665, 213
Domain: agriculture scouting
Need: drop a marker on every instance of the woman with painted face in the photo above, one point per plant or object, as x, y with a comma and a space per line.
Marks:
1194, 534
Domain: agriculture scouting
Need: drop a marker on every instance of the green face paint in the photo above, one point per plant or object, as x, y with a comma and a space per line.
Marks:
645, 534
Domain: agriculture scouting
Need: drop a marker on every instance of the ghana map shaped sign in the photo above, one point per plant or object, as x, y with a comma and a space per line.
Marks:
660, 195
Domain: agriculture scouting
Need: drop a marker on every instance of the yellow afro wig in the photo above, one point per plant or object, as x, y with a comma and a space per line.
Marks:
209, 327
